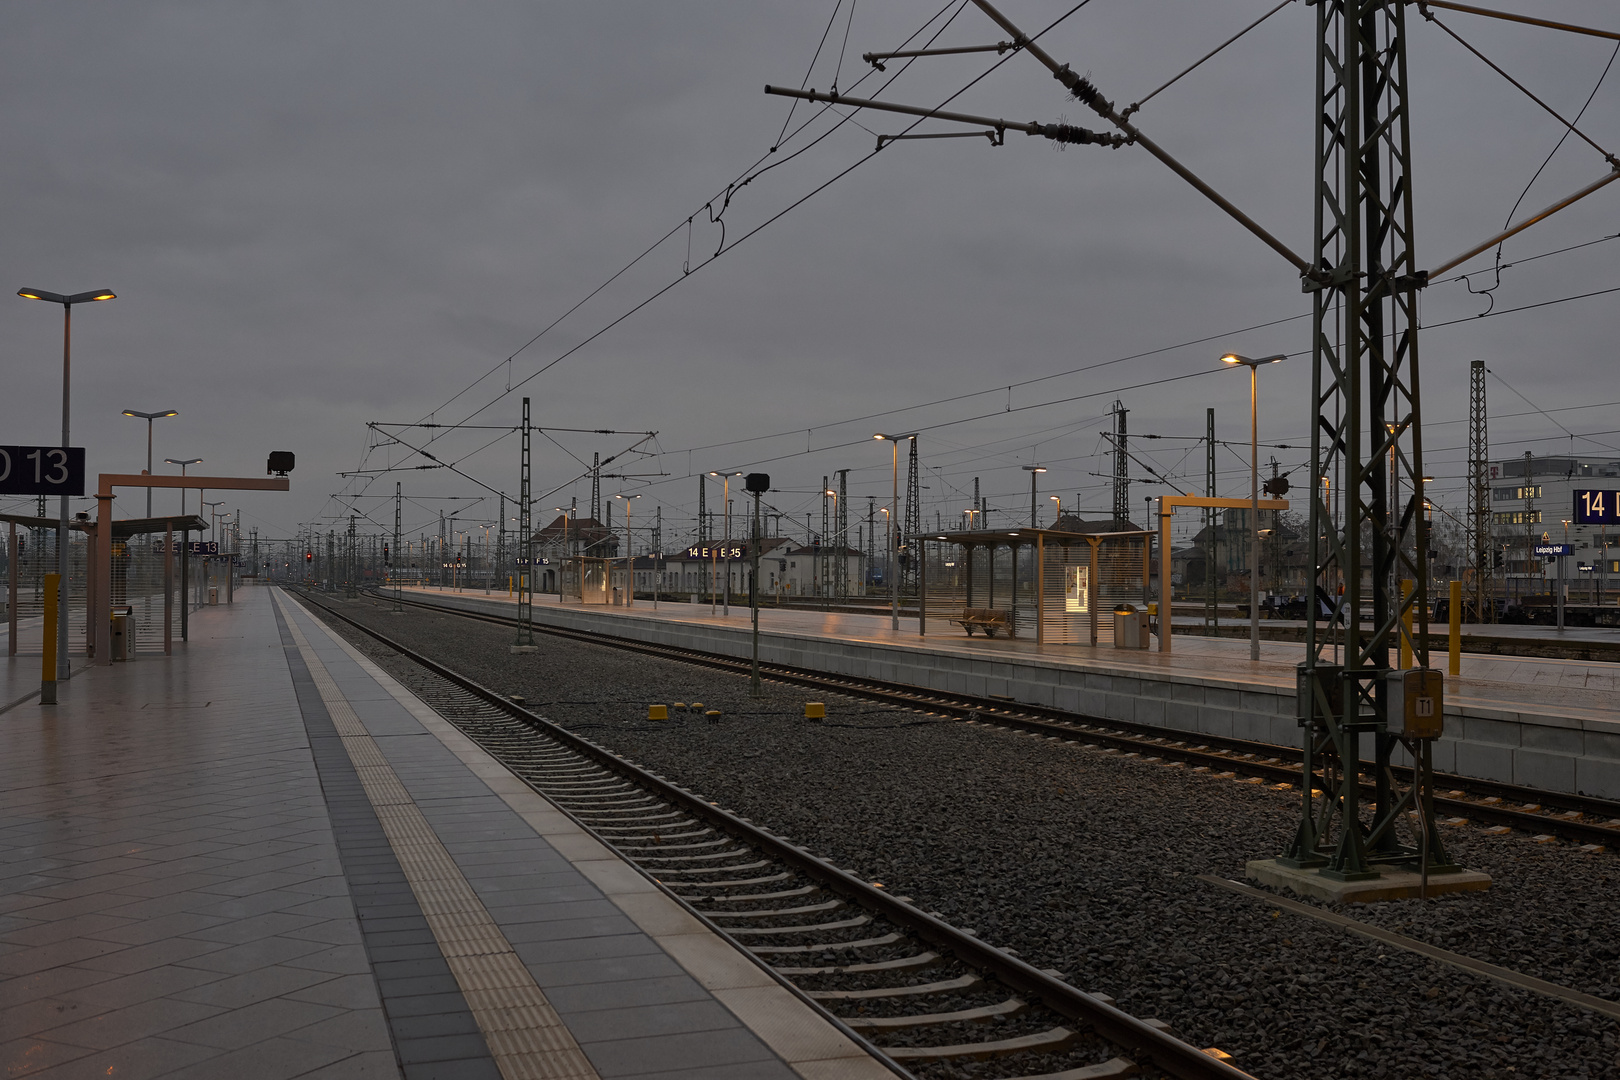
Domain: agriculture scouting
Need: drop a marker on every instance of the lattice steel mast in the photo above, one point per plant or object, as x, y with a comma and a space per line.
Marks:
1366, 400
841, 573
1479, 495
1122, 470
910, 542
596, 489
525, 569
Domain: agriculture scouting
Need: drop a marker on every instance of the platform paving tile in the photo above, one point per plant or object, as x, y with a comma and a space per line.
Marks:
239, 991
685, 1050
119, 1026
169, 859
269, 1059
31, 1057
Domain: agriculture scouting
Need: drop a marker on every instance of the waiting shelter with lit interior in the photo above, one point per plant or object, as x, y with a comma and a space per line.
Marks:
1057, 587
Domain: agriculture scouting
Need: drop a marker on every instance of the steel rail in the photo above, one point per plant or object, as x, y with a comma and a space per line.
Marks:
1178, 1058
1127, 735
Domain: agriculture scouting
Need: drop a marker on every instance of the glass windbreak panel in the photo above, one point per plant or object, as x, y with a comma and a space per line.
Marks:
1077, 589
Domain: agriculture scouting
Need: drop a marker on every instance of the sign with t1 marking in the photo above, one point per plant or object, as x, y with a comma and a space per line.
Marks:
41, 470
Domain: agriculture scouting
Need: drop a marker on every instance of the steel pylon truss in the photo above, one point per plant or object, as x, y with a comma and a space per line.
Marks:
1368, 432
525, 568
911, 541
1479, 495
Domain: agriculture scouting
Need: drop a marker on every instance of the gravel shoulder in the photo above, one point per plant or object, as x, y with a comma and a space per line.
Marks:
1088, 862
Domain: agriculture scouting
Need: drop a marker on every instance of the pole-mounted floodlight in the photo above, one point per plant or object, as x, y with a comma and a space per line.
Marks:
149, 417
1034, 471
893, 527
182, 462
1254, 490
48, 689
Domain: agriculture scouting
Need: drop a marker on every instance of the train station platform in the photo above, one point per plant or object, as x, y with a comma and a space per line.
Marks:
1544, 723
262, 857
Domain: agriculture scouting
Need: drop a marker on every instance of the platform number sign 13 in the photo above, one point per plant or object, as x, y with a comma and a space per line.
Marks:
41, 470
1597, 507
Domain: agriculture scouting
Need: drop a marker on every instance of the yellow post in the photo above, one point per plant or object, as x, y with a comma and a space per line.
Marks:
1407, 587
1456, 628
53, 593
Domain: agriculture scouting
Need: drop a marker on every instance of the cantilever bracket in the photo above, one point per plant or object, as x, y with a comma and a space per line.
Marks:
997, 137
876, 58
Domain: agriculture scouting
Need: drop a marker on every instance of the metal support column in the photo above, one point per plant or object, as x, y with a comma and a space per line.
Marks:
1366, 401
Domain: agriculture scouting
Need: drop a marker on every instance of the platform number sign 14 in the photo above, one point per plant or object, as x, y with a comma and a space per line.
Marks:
41, 470
1597, 507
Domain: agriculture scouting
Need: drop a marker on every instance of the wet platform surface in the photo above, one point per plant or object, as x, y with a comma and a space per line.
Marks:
262, 857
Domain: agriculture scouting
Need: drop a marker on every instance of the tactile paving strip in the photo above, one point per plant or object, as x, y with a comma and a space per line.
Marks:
524, 1033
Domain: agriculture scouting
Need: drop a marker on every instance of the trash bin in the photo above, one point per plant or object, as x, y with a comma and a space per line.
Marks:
1130, 627
213, 594
123, 634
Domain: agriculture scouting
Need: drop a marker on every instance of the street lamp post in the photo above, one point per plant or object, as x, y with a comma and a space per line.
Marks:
1254, 491
1034, 471
67, 302
149, 417
629, 552
725, 498
182, 462
185, 552
892, 526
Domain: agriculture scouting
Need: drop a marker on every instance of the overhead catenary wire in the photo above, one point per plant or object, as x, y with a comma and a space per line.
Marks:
1562, 138
1599, 292
1136, 106
1610, 158
743, 179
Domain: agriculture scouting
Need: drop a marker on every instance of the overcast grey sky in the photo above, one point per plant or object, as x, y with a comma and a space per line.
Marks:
322, 214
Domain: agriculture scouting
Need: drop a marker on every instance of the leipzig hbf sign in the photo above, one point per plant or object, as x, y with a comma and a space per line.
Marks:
722, 554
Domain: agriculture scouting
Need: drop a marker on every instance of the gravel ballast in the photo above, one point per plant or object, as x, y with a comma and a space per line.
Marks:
1087, 861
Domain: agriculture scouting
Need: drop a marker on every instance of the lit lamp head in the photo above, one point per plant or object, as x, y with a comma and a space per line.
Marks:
138, 414
1250, 362
67, 300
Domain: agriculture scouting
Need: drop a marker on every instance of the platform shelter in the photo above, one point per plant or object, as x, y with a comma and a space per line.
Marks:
1055, 586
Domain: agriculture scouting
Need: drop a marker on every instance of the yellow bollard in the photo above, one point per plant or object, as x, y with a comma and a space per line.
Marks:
1456, 628
1407, 587
658, 712
53, 596
815, 710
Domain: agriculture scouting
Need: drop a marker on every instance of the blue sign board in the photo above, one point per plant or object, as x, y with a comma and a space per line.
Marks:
720, 552
195, 547
41, 470
1597, 507
1555, 549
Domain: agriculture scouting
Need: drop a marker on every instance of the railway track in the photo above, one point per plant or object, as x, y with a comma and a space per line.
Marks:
1579, 819
929, 996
